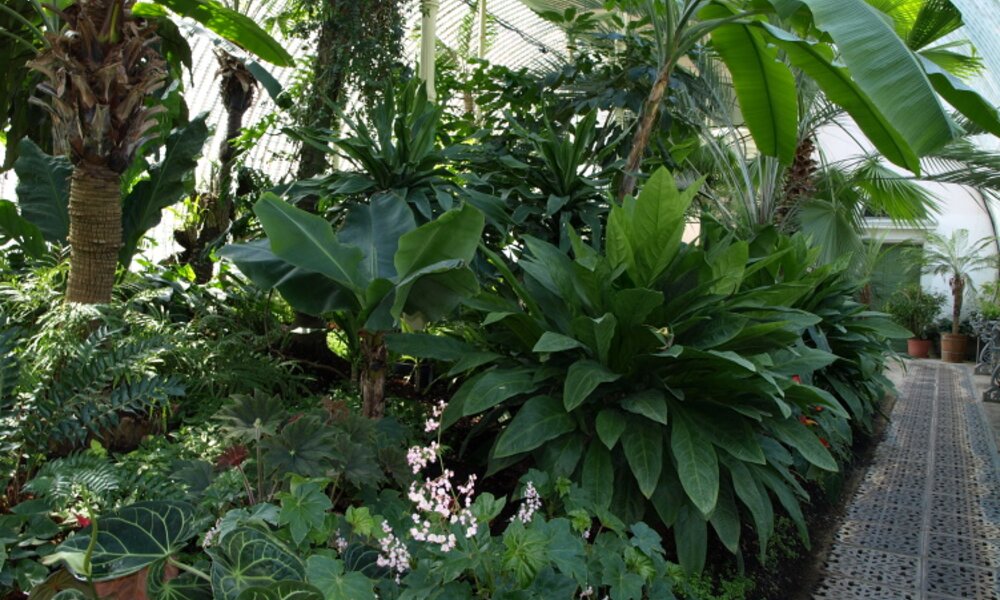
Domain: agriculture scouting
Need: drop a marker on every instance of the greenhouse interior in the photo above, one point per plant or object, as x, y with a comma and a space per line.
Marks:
500, 299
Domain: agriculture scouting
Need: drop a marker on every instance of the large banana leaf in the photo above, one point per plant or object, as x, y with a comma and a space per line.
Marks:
963, 98
886, 70
227, 23
168, 183
43, 190
816, 61
765, 86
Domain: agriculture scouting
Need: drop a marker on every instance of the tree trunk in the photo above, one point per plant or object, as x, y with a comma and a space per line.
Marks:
957, 292
640, 142
95, 233
373, 373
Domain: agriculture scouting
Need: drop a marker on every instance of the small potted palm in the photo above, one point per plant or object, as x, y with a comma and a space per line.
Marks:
916, 310
955, 258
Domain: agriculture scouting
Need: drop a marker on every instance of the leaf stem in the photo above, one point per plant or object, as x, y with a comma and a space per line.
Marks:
188, 568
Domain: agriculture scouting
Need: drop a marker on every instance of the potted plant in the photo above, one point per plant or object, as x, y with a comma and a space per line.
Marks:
954, 258
916, 310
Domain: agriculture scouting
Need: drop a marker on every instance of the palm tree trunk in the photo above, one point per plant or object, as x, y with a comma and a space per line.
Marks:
95, 233
957, 292
640, 142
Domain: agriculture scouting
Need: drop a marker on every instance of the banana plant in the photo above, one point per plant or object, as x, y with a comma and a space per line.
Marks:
379, 269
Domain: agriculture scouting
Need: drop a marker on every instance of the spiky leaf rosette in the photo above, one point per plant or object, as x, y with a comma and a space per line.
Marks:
100, 68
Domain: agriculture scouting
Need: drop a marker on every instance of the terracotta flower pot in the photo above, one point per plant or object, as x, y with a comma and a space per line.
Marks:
918, 348
953, 347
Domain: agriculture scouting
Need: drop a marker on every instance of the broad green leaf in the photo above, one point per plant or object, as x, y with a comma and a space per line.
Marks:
129, 539
43, 183
643, 446
798, 436
604, 333
426, 345
610, 424
582, 378
250, 557
817, 61
566, 550
185, 586
598, 476
168, 183
17, 230
633, 305
765, 86
307, 291
886, 70
308, 242
560, 457
303, 509
645, 539
556, 342
651, 404
966, 100
618, 245
729, 431
725, 519
328, 575
376, 229
658, 224
230, 25
433, 291
283, 590
539, 420
452, 236
495, 386
697, 463
787, 499
691, 538
669, 496
753, 495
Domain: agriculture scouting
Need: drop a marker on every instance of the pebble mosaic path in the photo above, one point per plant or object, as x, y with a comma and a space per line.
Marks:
925, 522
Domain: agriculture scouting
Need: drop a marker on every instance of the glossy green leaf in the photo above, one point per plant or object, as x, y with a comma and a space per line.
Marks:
376, 229
697, 463
307, 241
765, 86
556, 342
582, 378
643, 446
17, 230
610, 424
169, 182
250, 557
753, 495
799, 436
495, 386
43, 190
691, 538
725, 519
452, 236
651, 404
231, 25
129, 539
539, 420
283, 590
598, 476
185, 586
886, 70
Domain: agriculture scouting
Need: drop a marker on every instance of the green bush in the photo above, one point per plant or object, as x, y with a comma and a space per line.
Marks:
915, 309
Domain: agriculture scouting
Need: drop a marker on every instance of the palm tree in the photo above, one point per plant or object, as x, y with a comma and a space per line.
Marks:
955, 259
100, 66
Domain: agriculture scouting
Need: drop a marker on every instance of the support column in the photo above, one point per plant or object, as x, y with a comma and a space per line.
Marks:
482, 29
428, 44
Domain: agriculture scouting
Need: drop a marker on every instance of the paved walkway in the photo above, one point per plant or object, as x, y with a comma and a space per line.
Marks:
925, 523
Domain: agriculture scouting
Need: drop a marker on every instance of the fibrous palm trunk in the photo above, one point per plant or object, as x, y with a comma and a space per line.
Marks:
800, 182
957, 283
95, 233
100, 68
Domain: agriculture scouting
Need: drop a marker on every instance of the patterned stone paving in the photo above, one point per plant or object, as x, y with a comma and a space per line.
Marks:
925, 522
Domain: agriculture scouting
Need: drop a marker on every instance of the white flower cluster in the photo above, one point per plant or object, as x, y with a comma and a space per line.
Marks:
434, 422
393, 553
419, 457
212, 534
532, 504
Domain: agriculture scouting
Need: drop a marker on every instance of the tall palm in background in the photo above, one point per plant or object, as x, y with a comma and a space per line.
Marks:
955, 258
101, 65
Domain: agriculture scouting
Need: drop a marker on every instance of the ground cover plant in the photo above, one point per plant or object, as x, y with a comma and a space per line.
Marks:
557, 334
